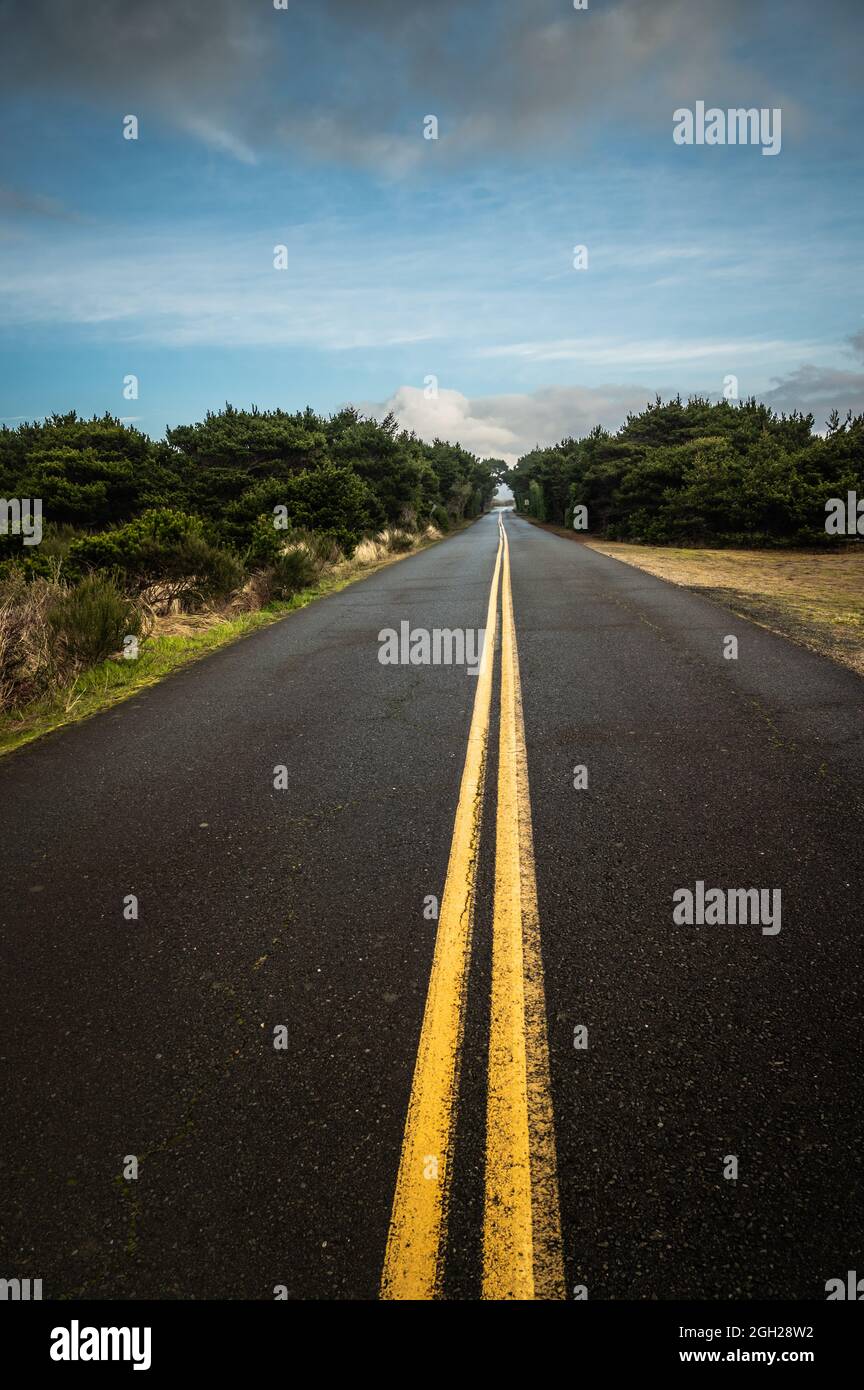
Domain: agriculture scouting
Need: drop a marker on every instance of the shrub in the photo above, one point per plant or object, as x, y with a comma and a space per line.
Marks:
196, 572
57, 539
90, 620
50, 631
140, 550
536, 500
294, 570
324, 549
256, 593
265, 543
332, 502
163, 551
369, 552
441, 518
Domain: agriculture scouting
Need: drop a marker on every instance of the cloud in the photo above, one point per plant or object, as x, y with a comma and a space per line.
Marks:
193, 64
162, 47
190, 289
608, 352
221, 140
817, 389
507, 426
325, 136
351, 80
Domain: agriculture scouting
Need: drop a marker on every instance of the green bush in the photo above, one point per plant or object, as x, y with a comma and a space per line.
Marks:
440, 518
331, 501
343, 477
296, 569
139, 550
536, 500
700, 473
265, 543
163, 548
197, 572
90, 620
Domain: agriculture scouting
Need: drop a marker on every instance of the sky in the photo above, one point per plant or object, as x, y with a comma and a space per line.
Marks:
431, 277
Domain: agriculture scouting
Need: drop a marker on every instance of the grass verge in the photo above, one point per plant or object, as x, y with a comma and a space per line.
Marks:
814, 597
117, 679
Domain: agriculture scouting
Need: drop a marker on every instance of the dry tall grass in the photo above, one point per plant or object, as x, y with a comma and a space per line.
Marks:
389, 541
51, 631
44, 685
27, 659
37, 657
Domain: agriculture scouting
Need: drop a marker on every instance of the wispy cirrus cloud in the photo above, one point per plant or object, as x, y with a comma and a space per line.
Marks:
197, 290
602, 352
214, 287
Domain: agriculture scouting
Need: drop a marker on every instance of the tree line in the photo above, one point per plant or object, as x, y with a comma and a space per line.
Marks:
699, 473
241, 511
103, 482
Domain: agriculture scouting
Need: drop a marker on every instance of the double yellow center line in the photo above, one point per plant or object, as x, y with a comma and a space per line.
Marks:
521, 1225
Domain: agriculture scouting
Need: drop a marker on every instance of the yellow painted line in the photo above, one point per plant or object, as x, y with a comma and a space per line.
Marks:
413, 1264
522, 1256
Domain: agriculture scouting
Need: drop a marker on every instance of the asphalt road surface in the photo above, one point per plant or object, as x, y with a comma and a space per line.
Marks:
590, 1073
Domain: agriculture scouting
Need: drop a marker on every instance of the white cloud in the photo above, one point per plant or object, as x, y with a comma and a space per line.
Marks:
453, 417
507, 426
219, 139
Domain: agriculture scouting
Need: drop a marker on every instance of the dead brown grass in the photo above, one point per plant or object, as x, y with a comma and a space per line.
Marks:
389, 545
814, 597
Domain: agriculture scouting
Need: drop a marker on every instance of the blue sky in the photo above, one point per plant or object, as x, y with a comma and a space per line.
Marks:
410, 258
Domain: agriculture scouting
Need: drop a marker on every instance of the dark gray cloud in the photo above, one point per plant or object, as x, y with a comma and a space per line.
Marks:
179, 48
352, 79
188, 64
817, 389
820, 389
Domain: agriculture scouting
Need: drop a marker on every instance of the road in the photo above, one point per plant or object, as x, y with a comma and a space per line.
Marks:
604, 1168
